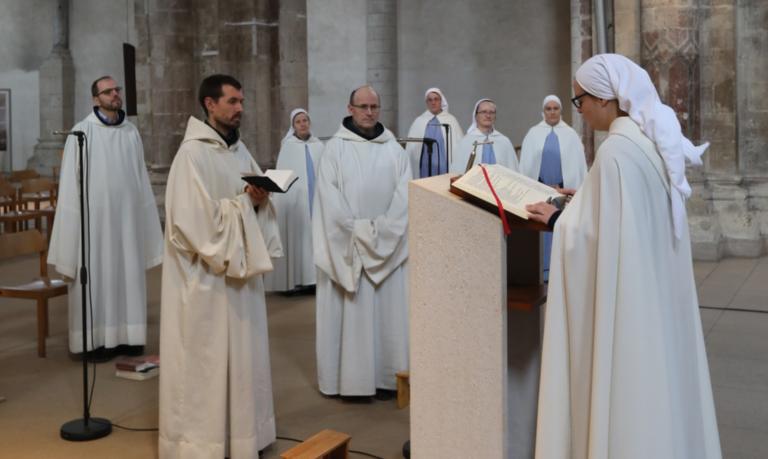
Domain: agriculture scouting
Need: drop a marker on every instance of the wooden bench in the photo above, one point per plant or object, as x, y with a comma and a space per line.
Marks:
326, 444
403, 389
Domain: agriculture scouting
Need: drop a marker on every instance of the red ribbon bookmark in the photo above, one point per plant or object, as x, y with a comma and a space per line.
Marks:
502, 213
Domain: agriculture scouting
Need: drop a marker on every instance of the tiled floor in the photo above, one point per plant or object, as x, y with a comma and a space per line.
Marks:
43, 393
734, 298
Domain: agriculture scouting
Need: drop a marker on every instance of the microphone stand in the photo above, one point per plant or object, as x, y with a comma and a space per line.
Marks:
428, 141
448, 142
472, 155
85, 428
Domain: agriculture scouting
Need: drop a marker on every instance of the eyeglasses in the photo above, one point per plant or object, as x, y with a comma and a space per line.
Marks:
366, 107
487, 112
576, 101
108, 91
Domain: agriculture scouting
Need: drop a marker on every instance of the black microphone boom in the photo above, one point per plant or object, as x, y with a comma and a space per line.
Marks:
63, 132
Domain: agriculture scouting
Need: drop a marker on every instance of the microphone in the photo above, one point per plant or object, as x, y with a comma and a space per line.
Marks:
63, 132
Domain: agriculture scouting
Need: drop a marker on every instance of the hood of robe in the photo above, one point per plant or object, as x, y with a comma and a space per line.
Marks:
346, 134
198, 130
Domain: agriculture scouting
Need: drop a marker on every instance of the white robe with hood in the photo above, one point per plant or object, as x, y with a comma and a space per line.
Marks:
297, 266
418, 129
502, 149
359, 232
624, 371
215, 384
125, 235
572, 160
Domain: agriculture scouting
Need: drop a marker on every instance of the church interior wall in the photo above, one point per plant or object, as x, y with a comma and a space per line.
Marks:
336, 59
26, 37
513, 52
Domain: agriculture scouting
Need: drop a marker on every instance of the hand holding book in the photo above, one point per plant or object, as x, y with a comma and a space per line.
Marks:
275, 180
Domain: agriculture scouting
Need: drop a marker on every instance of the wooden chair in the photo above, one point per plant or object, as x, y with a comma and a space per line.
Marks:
326, 444
37, 192
40, 289
18, 176
12, 215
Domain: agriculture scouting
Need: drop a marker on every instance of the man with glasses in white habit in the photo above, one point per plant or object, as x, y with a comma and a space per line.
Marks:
360, 224
124, 238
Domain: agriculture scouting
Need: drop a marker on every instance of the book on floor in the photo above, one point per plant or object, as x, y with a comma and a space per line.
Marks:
275, 180
138, 375
514, 190
137, 364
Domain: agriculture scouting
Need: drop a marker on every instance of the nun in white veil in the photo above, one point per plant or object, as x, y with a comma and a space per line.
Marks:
624, 371
493, 146
300, 152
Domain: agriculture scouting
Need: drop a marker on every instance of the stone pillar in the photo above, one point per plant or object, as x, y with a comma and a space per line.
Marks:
57, 76
292, 41
382, 57
581, 50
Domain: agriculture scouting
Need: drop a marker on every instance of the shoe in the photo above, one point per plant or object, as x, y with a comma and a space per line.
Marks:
385, 394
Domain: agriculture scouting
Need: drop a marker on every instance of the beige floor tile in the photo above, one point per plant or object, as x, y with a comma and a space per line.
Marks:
723, 283
741, 408
702, 269
743, 443
709, 318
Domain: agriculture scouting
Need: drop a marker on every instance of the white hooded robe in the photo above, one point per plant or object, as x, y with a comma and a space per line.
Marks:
502, 149
359, 233
418, 128
572, 160
215, 384
125, 235
297, 266
624, 372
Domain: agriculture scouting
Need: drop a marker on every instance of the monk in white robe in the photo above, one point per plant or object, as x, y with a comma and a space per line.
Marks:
624, 371
493, 146
123, 227
215, 384
359, 228
435, 123
300, 152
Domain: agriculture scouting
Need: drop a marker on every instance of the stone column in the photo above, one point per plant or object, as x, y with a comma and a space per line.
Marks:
581, 50
382, 56
293, 81
57, 76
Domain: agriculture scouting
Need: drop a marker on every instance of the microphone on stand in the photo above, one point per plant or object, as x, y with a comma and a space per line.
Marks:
472, 155
428, 141
448, 142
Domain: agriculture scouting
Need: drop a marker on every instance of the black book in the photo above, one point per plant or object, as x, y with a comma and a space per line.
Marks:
275, 180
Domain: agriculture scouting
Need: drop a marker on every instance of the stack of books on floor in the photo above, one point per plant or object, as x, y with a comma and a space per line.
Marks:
138, 368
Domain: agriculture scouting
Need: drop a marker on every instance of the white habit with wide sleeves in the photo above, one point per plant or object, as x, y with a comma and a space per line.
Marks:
215, 384
359, 233
624, 372
418, 128
297, 266
502, 149
573, 163
125, 235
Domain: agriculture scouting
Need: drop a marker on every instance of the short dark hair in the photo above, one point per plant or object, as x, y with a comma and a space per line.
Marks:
95, 84
211, 87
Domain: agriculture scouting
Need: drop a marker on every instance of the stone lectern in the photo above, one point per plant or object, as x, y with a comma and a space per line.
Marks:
475, 298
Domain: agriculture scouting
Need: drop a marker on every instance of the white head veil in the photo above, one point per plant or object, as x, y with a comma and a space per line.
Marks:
443, 100
612, 76
291, 131
548, 99
473, 126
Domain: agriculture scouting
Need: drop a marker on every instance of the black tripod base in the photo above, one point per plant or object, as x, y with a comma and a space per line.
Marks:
78, 430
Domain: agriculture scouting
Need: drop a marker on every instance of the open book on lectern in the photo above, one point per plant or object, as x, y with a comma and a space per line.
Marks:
515, 190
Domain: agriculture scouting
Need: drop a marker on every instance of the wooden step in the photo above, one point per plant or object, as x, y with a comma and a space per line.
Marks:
326, 444
403, 389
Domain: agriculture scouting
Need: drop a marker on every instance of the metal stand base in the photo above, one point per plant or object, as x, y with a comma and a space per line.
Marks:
79, 430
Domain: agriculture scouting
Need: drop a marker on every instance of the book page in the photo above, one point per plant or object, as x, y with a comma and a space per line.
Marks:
514, 190
281, 177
